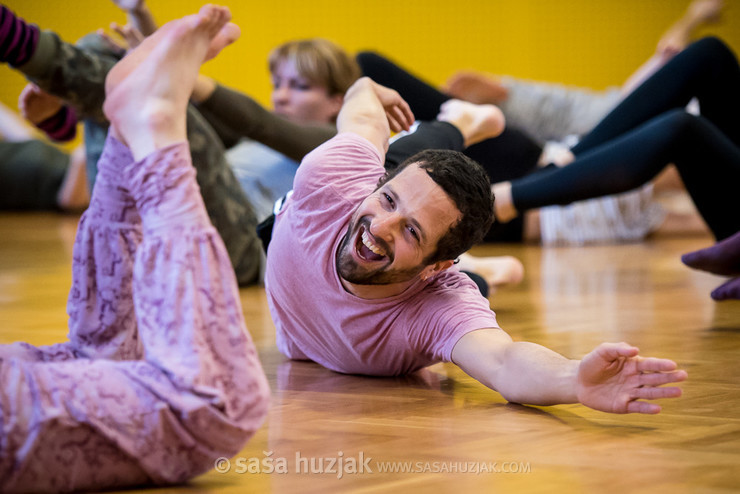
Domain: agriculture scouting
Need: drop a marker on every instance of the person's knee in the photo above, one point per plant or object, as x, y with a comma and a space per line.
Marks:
248, 412
713, 47
680, 122
687, 130
712, 43
369, 60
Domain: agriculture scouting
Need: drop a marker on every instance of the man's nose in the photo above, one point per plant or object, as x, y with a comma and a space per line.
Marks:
383, 226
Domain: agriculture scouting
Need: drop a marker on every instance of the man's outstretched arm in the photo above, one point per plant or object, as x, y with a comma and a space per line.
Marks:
372, 111
612, 378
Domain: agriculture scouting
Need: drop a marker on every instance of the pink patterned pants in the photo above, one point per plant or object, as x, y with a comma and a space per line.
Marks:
159, 376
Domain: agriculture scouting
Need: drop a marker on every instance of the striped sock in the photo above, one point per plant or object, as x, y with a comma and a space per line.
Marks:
18, 40
62, 126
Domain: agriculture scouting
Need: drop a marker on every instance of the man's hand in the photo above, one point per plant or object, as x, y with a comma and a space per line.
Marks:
36, 105
613, 378
396, 109
372, 111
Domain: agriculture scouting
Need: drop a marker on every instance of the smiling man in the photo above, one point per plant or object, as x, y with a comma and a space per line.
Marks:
392, 236
360, 274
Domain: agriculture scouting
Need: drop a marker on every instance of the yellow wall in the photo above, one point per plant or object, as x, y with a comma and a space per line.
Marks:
595, 43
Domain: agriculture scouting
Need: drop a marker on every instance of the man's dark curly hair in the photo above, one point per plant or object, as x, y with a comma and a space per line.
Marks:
467, 184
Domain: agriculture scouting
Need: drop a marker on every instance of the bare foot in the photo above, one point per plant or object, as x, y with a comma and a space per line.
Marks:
556, 153
148, 90
704, 12
476, 87
678, 36
497, 271
475, 122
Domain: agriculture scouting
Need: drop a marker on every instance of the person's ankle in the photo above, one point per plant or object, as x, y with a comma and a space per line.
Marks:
503, 207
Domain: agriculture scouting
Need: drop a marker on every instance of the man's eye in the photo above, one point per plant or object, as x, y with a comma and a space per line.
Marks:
412, 230
388, 198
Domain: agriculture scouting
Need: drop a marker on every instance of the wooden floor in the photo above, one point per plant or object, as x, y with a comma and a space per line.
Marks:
439, 421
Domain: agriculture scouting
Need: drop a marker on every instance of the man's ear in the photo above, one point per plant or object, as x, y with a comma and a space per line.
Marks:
437, 267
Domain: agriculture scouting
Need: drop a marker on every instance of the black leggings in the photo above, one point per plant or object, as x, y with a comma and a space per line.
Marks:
511, 155
649, 129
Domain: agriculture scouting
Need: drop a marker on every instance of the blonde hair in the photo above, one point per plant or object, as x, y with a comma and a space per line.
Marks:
320, 61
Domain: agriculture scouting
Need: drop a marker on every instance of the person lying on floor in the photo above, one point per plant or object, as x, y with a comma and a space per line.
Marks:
377, 250
160, 376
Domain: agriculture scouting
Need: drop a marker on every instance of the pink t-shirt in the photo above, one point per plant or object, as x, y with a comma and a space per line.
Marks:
316, 318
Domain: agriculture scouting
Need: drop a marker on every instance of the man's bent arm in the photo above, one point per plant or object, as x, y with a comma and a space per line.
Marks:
371, 111
612, 378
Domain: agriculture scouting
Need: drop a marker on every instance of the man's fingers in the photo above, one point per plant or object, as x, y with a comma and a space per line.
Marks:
643, 407
401, 118
660, 378
652, 364
408, 114
651, 393
614, 351
394, 125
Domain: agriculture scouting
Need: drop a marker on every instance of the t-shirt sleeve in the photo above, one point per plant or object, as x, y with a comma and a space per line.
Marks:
450, 310
342, 162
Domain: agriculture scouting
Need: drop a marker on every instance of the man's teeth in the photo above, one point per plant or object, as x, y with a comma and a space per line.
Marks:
366, 241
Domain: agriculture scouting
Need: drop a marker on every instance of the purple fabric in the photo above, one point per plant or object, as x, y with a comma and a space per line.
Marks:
729, 290
18, 40
721, 258
62, 126
159, 376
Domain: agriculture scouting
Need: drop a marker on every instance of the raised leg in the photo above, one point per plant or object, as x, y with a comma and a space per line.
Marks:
511, 155
230, 209
423, 98
102, 319
707, 70
77, 74
199, 391
708, 161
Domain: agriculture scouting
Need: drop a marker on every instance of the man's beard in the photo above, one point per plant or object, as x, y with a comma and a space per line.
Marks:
351, 271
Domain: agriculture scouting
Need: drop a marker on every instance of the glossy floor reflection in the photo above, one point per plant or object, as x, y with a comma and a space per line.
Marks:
448, 432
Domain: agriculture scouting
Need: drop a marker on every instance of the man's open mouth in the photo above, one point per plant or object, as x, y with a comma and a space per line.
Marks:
366, 248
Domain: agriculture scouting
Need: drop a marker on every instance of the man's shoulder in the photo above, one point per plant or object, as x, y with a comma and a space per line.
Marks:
452, 294
343, 146
345, 162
